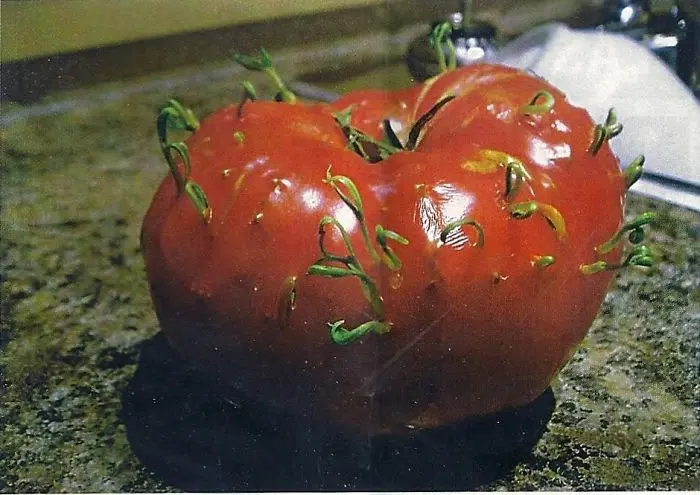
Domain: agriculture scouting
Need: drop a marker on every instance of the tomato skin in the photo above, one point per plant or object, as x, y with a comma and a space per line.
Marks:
469, 313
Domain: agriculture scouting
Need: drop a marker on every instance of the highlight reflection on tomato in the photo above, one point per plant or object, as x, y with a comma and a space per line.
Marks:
390, 261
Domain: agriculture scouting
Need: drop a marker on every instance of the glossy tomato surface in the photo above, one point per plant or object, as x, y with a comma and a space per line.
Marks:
442, 280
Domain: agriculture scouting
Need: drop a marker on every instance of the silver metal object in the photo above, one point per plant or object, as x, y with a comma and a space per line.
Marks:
668, 28
473, 41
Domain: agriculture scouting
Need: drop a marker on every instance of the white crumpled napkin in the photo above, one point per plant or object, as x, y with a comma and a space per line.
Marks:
599, 70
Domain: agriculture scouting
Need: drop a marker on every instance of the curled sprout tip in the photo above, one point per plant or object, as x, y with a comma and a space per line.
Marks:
541, 103
352, 199
264, 61
605, 132
173, 115
592, 268
328, 220
181, 149
516, 174
343, 336
554, 218
249, 91
389, 256
640, 255
451, 226
199, 199
636, 233
490, 160
439, 41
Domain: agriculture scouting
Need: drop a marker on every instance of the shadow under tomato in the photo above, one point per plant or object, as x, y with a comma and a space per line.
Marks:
182, 430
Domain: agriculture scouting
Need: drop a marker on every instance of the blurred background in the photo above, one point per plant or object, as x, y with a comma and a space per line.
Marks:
50, 45
50, 49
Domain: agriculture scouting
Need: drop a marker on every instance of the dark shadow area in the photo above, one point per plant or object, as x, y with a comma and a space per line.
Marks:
182, 429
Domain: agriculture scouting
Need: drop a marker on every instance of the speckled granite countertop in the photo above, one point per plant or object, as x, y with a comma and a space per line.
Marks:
92, 399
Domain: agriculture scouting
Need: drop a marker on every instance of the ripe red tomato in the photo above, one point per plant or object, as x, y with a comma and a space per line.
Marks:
445, 273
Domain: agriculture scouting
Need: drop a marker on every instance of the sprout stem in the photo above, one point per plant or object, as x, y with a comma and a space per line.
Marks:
634, 171
354, 201
356, 137
174, 115
605, 132
324, 266
390, 257
264, 63
415, 131
639, 256
515, 172
439, 40
336, 266
249, 94
634, 228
